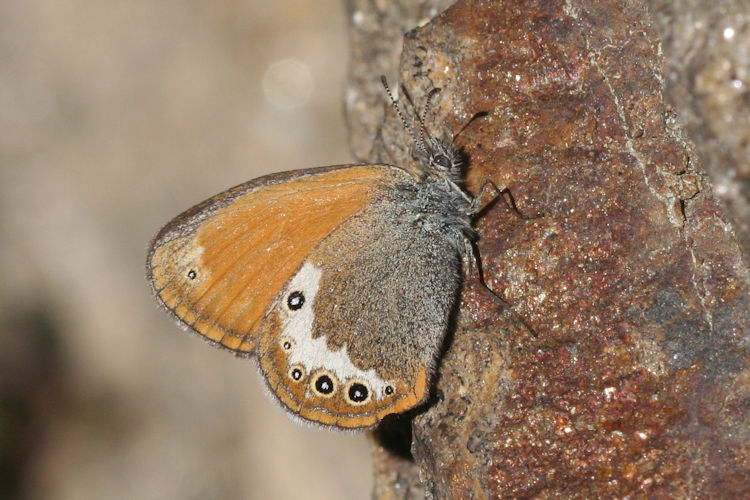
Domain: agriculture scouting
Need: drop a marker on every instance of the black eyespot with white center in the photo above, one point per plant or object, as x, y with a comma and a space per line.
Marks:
358, 393
324, 385
296, 373
388, 390
286, 345
296, 300
192, 274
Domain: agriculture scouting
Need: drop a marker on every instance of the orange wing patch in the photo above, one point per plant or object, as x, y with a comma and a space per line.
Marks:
218, 266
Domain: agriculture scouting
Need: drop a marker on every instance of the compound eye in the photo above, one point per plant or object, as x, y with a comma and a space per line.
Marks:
442, 161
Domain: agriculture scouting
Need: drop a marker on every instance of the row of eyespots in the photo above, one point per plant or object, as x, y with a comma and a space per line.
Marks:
324, 384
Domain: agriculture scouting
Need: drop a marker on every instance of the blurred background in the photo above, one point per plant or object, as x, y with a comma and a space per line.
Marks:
114, 117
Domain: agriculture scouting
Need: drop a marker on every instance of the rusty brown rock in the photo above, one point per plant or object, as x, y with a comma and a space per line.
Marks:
619, 366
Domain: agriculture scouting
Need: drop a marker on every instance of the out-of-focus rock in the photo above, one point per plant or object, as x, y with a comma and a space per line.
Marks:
707, 75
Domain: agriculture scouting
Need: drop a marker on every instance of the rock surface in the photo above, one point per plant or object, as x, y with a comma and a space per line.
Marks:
618, 363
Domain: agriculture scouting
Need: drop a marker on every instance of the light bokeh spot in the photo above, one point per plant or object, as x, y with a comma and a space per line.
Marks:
288, 84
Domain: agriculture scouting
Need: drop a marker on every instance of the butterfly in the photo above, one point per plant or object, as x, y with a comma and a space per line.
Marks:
340, 280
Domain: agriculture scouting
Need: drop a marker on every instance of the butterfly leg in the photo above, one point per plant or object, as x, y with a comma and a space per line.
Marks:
470, 261
469, 257
470, 254
480, 201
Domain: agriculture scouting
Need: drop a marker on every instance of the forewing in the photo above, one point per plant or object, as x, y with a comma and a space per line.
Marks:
218, 266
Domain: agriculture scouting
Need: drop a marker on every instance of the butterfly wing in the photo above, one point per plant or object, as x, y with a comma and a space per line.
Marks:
218, 266
355, 333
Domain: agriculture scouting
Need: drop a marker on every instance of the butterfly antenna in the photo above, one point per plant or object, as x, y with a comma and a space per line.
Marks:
421, 117
408, 127
480, 114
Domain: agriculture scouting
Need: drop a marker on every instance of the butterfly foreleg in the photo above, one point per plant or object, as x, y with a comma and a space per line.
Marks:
481, 200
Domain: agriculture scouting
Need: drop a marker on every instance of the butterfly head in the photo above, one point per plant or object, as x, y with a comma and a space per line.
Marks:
442, 157
438, 157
